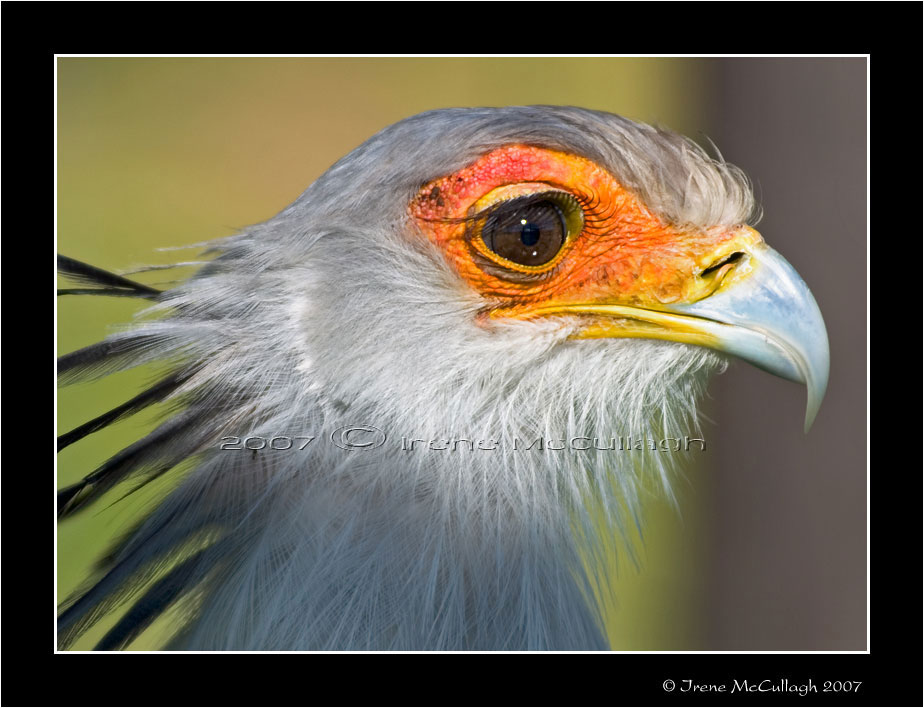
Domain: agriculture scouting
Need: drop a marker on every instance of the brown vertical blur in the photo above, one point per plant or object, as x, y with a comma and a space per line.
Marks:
789, 554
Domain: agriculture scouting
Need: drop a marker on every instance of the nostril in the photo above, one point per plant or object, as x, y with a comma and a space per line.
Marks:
731, 259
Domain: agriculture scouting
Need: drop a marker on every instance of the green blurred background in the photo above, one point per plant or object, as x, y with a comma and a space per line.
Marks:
168, 152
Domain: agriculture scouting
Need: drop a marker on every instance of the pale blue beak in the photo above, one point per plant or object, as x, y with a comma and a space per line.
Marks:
768, 317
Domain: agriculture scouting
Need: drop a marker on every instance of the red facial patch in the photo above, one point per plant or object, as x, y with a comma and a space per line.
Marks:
624, 254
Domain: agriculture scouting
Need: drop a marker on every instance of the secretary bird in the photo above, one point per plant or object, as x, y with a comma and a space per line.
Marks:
396, 402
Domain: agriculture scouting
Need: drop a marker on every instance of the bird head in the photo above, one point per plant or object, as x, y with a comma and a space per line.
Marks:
464, 262
466, 274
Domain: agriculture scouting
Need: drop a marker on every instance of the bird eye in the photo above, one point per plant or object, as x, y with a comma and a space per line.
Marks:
530, 231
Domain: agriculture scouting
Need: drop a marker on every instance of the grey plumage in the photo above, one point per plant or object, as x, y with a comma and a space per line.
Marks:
333, 314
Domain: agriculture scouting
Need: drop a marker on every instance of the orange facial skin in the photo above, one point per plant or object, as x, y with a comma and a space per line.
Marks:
625, 254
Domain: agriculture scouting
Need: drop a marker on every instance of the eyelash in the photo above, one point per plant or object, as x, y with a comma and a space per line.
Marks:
526, 200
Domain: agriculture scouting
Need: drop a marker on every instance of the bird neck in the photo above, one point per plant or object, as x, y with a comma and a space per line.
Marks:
343, 561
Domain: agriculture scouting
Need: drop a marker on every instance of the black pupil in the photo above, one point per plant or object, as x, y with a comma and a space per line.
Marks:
529, 233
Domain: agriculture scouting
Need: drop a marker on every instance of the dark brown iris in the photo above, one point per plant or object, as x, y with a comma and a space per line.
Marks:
528, 233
